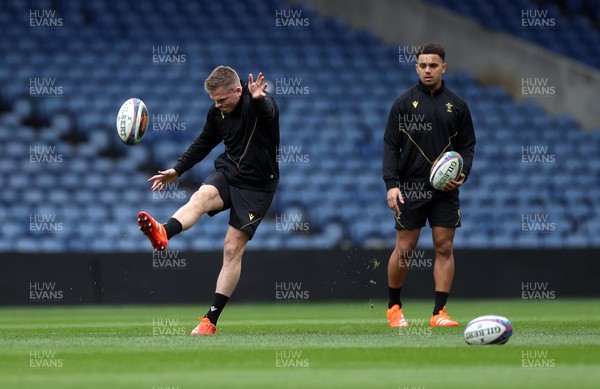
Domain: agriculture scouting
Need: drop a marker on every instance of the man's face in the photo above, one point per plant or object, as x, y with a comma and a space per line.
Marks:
226, 99
430, 69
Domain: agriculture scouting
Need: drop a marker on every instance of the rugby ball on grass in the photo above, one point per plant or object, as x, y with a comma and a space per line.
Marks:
490, 329
448, 167
132, 121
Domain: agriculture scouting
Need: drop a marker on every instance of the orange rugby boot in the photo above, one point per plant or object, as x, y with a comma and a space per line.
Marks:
442, 319
153, 230
204, 328
395, 317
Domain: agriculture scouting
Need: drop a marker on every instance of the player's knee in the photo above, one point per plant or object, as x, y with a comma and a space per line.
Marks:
404, 251
233, 248
196, 198
444, 248
203, 196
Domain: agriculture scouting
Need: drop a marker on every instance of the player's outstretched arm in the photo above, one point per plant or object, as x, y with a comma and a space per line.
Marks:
262, 103
160, 180
257, 89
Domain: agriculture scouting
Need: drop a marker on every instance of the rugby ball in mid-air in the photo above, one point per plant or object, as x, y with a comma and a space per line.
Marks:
488, 329
132, 121
448, 167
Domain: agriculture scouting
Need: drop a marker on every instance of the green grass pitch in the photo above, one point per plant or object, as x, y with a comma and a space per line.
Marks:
555, 344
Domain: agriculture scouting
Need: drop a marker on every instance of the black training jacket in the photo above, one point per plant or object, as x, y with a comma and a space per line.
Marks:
420, 128
251, 137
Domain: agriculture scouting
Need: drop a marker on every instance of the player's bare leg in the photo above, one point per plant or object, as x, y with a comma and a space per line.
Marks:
443, 273
443, 268
406, 241
233, 249
204, 200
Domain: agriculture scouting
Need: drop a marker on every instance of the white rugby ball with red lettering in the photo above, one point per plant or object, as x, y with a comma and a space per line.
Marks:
448, 167
489, 329
132, 121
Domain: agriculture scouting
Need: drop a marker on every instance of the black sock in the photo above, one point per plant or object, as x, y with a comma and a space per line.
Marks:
172, 227
394, 296
440, 301
216, 308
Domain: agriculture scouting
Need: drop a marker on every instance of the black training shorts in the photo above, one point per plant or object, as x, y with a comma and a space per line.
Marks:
422, 202
248, 207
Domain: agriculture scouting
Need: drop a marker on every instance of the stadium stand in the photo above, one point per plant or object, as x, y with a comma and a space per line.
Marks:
63, 168
570, 28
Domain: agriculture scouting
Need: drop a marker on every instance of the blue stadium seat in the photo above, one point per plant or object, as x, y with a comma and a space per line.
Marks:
575, 25
339, 129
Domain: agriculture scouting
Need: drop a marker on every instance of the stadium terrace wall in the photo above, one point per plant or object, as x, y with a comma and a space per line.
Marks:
289, 276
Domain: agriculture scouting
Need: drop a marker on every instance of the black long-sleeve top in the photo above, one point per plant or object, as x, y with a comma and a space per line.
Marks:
420, 128
251, 137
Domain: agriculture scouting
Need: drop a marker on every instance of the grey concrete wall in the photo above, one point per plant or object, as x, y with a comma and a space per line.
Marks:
495, 58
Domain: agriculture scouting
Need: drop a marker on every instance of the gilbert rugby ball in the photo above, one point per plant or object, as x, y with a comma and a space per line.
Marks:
132, 121
448, 167
490, 329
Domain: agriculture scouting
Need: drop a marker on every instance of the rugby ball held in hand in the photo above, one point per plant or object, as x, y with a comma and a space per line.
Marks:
132, 121
448, 167
490, 329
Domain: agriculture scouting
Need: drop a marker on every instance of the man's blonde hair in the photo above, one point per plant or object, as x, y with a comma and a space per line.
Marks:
222, 76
